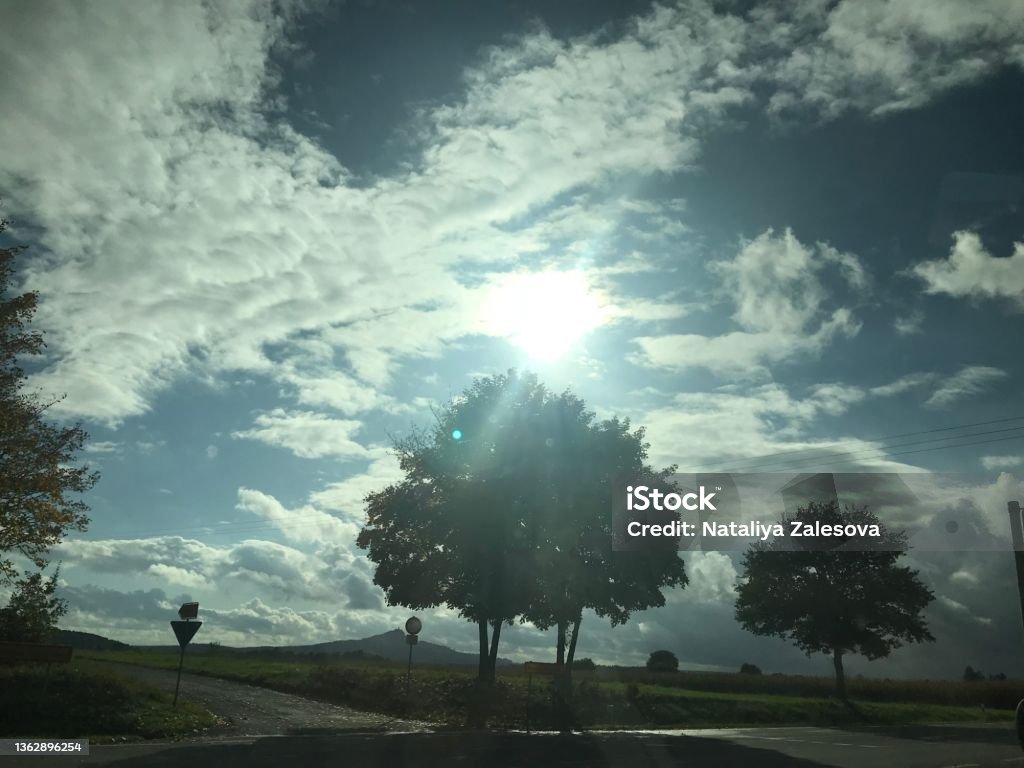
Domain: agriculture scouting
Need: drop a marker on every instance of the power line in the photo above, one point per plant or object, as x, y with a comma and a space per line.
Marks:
756, 467
894, 437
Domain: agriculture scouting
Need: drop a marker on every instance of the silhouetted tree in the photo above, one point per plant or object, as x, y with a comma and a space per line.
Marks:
39, 480
662, 661
505, 513
33, 610
749, 669
972, 675
829, 600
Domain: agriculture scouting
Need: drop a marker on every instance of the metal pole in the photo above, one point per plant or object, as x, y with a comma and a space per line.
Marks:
1017, 533
529, 691
181, 662
408, 671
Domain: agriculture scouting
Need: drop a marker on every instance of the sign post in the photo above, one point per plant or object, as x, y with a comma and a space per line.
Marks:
184, 631
412, 627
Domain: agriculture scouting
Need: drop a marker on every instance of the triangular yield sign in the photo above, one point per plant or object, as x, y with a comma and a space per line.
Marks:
185, 630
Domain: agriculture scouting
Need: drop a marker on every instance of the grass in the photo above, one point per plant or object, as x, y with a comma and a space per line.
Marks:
607, 697
85, 700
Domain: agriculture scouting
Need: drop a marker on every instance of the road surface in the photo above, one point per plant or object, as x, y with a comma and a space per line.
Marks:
264, 728
247, 710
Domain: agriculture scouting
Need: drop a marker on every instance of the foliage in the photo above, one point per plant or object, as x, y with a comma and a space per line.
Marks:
972, 675
39, 480
505, 513
584, 664
749, 669
833, 601
662, 661
33, 610
87, 700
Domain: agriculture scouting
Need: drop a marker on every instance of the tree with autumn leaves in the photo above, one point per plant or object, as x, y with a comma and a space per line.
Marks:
40, 479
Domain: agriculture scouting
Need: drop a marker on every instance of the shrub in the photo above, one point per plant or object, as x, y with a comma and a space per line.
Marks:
584, 664
750, 669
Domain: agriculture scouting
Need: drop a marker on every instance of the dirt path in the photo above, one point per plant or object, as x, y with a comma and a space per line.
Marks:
251, 711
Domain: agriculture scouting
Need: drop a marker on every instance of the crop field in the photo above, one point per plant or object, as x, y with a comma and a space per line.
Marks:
607, 697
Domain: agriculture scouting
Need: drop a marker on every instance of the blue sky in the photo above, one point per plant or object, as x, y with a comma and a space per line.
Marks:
269, 236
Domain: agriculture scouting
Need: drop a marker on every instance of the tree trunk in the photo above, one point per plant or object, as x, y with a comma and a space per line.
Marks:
837, 662
560, 651
484, 654
493, 658
572, 642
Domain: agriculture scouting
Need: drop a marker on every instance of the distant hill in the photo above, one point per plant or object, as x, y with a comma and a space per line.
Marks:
85, 641
389, 645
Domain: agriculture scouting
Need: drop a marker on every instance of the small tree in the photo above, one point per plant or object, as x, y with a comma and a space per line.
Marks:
749, 669
828, 600
33, 610
972, 675
662, 661
39, 480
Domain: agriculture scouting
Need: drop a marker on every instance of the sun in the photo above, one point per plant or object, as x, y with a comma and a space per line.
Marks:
544, 313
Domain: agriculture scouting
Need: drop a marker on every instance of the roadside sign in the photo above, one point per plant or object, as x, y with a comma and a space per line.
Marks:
188, 611
411, 639
185, 631
413, 626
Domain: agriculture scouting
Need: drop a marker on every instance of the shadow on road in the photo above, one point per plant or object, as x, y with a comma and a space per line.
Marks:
466, 749
983, 733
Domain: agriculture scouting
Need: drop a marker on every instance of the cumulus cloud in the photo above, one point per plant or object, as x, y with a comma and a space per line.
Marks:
307, 434
970, 271
323, 575
775, 286
1001, 462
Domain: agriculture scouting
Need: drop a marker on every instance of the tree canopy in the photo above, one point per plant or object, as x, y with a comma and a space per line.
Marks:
40, 481
33, 610
831, 600
505, 513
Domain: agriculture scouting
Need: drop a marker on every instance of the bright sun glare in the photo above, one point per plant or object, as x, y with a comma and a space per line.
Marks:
544, 313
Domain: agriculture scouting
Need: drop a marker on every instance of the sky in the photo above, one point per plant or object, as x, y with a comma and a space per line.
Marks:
269, 236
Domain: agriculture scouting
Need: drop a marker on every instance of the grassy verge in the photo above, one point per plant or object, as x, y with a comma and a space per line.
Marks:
443, 695
87, 700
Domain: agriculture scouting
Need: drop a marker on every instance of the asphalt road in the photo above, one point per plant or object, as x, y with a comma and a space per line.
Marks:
265, 728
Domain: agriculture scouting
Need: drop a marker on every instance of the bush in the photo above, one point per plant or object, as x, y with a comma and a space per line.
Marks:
584, 664
663, 661
750, 669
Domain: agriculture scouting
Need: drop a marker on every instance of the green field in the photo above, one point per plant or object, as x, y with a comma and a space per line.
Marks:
606, 697
88, 700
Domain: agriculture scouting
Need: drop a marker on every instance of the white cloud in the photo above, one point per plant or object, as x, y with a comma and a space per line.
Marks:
774, 284
212, 451
1001, 462
102, 446
972, 272
880, 56
966, 382
188, 230
304, 524
306, 434
328, 574
903, 384
908, 325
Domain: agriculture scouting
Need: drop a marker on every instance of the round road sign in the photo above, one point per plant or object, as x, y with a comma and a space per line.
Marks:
413, 626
